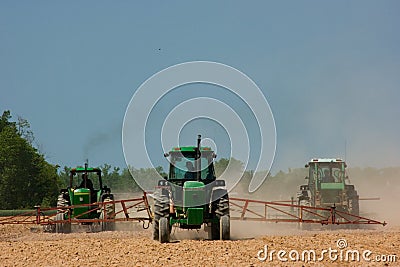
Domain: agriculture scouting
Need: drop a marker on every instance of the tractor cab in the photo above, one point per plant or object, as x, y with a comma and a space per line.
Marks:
185, 166
326, 174
84, 198
86, 182
190, 167
328, 186
326, 181
191, 196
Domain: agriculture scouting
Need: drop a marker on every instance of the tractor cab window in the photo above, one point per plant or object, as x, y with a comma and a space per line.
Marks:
92, 181
183, 167
338, 173
327, 176
330, 172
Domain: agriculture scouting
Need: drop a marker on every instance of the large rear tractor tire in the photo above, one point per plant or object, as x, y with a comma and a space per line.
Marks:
353, 208
225, 228
161, 210
62, 202
164, 230
304, 226
213, 234
222, 206
108, 213
220, 228
62, 228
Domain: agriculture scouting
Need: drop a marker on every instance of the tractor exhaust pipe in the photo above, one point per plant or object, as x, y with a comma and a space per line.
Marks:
86, 173
198, 146
197, 159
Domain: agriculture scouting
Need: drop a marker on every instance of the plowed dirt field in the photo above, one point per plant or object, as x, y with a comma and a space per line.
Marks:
130, 245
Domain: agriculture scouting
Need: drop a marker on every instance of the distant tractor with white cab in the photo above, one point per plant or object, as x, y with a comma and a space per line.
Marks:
328, 186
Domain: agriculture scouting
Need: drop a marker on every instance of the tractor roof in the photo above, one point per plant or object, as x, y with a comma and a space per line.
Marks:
190, 149
325, 160
81, 169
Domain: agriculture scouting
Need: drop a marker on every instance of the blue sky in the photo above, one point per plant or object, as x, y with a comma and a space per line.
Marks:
330, 71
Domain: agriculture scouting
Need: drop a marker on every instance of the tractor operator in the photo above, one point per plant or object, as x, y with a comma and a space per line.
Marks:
327, 177
190, 174
86, 182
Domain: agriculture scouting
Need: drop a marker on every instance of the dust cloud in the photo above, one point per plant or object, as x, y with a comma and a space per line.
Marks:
378, 183
369, 183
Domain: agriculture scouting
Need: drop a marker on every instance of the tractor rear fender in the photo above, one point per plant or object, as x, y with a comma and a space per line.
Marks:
107, 195
164, 187
64, 191
218, 188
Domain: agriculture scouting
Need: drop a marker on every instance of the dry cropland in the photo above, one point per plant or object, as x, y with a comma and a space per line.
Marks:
252, 244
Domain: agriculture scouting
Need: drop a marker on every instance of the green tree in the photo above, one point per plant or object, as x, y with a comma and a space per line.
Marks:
148, 176
112, 177
24, 130
26, 179
5, 121
64, 177
221, 165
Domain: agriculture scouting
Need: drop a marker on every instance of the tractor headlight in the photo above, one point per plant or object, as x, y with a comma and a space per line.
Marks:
162, 183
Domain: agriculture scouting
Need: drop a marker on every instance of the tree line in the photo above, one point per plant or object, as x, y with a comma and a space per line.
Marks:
27, 179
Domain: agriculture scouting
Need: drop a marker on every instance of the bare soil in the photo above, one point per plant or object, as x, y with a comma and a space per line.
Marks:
130, 245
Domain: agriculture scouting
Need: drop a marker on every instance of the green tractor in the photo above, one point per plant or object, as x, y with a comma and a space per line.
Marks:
191, 196
328, 186
80, 196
